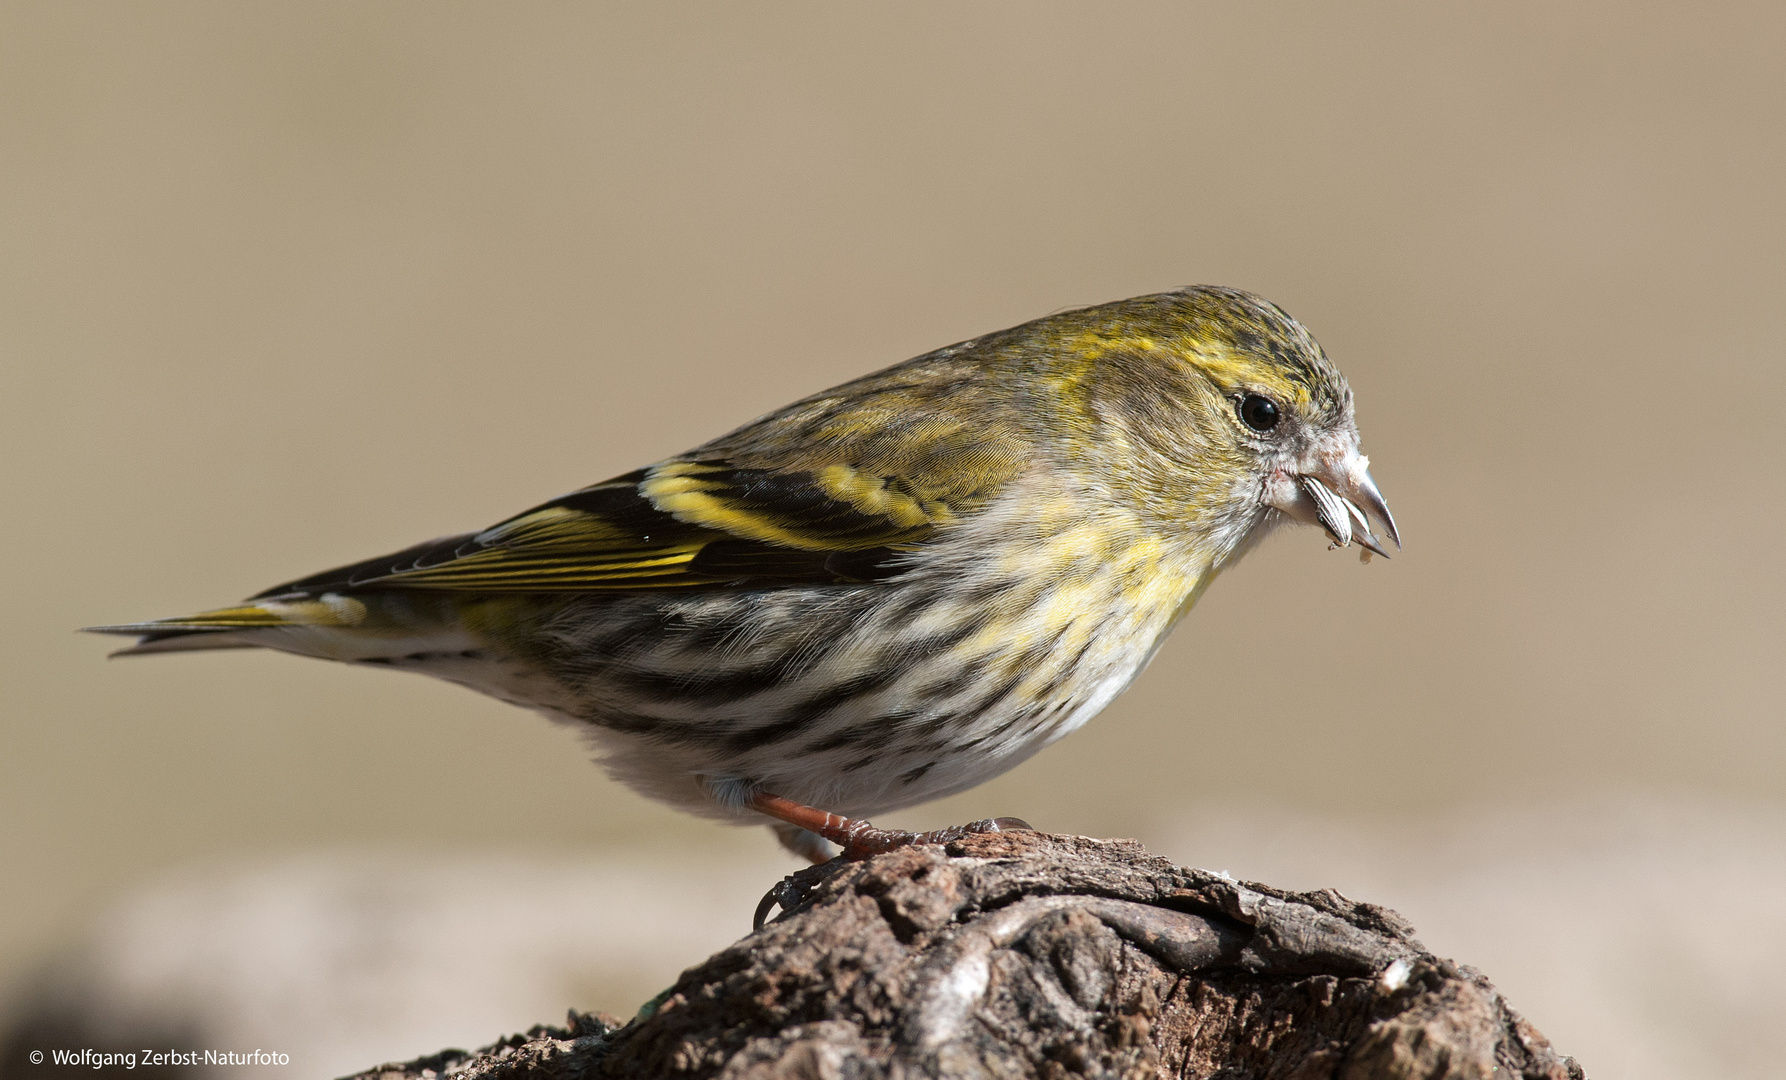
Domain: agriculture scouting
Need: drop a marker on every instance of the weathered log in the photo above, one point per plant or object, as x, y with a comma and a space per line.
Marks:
1030, 955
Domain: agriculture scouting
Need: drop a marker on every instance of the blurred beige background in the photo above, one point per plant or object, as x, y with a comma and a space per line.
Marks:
287, 285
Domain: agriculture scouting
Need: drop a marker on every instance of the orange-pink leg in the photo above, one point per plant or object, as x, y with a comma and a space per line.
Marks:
858, 838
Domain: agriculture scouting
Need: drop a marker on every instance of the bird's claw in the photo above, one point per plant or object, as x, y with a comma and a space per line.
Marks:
791, 891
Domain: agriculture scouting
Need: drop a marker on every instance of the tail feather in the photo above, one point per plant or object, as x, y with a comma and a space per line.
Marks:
183, 641
233, 627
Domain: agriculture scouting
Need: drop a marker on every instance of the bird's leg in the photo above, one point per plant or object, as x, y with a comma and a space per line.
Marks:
812, 847
859, 838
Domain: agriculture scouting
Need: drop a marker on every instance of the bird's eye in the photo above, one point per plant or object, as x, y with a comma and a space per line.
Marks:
1259, 412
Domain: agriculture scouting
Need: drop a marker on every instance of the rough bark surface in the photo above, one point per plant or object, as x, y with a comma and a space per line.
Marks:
1029, 955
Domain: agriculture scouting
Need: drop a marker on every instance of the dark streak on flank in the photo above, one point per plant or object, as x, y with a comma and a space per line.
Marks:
715, 687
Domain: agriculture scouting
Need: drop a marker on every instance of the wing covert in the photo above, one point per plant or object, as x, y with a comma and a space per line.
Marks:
679, 524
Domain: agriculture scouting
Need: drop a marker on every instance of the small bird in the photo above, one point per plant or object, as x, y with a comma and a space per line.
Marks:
881, 594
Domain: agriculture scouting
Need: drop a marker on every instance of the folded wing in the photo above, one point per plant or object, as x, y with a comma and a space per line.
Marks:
680, 524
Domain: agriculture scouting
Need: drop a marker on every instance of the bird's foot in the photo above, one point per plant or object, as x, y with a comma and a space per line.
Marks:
806, 845
858, 838
791, 891
865, 840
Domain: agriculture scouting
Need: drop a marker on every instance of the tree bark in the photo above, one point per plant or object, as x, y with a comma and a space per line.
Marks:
1022, 954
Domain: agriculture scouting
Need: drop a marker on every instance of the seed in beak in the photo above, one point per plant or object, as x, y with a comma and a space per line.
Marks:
1331, 509
1337, 514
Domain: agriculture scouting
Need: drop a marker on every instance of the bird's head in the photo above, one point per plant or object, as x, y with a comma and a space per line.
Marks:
1217, 414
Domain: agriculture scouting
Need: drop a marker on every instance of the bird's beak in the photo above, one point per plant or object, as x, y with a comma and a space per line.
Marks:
1339, 495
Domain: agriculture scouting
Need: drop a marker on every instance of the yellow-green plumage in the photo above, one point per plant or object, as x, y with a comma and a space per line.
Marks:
885, 592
